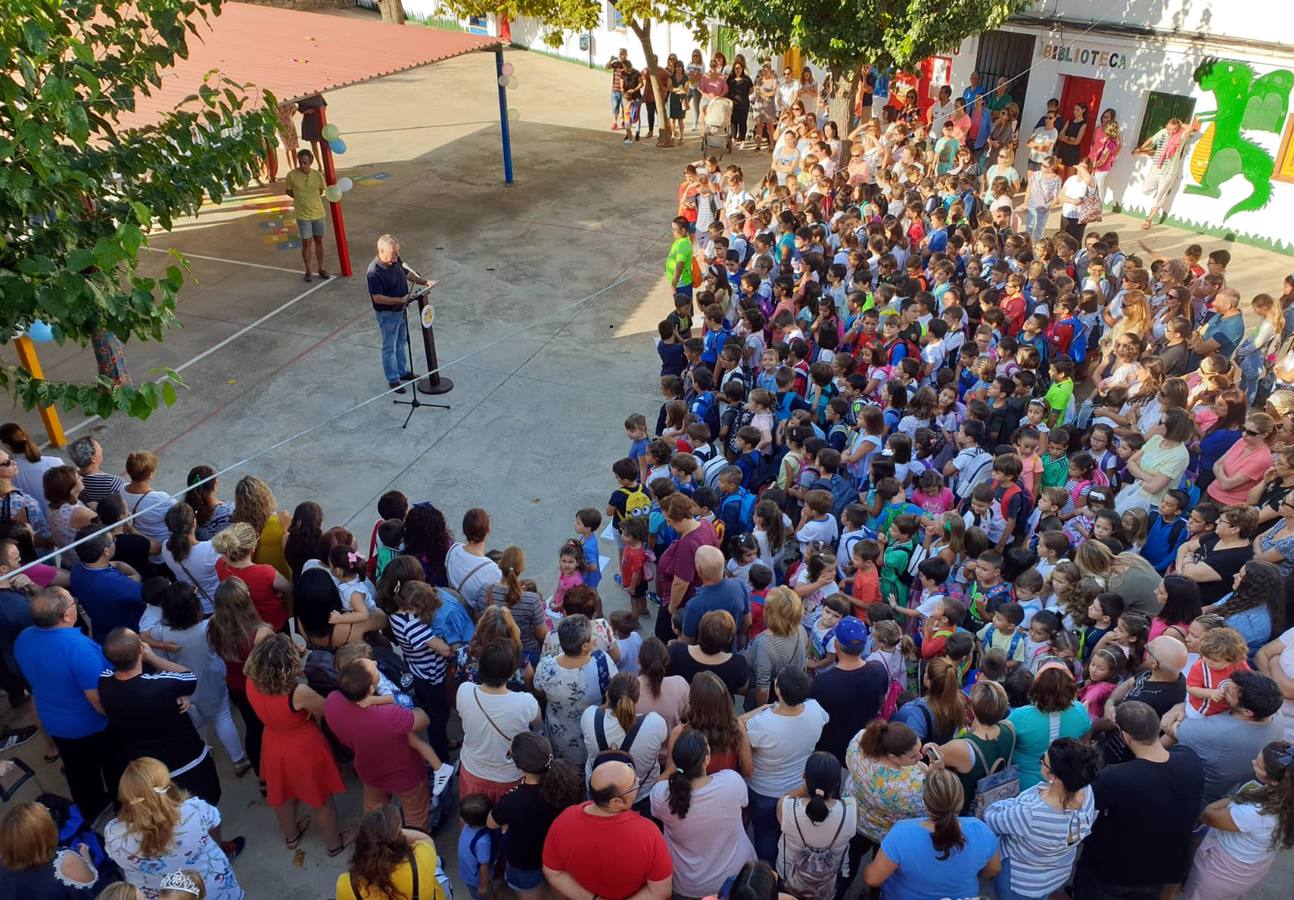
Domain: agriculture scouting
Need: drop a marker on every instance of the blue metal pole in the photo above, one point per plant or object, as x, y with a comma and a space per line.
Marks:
503, 117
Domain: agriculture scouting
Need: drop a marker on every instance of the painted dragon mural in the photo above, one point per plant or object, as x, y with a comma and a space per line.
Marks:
1244, 103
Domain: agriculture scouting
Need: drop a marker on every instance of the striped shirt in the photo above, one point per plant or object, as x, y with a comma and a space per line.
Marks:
413, 635
1040, 842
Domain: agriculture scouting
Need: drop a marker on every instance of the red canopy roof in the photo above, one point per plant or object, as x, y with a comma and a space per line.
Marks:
297, 54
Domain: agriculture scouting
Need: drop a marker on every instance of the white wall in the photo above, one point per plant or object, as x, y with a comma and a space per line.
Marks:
1250, 19
1165, 66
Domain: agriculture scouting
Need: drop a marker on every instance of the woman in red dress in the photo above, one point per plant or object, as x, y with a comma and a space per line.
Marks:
296, 763
268, 588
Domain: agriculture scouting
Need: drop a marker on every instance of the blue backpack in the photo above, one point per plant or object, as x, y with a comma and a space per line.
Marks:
742, 502
1078, 345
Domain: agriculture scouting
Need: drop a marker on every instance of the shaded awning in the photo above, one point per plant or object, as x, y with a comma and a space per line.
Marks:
296, 54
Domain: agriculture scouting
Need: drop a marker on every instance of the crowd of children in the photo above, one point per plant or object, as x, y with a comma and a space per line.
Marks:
888, 398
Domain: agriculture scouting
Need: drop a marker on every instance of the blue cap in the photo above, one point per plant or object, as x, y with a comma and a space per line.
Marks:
851, 633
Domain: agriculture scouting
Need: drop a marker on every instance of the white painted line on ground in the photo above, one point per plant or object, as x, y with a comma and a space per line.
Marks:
227, 341
235, 262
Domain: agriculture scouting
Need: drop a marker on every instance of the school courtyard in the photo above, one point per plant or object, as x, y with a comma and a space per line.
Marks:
550, 291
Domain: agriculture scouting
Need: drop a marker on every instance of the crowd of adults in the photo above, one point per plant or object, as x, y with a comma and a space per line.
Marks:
969, 550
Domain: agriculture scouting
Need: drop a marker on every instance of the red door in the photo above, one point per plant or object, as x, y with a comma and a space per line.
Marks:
1082, 90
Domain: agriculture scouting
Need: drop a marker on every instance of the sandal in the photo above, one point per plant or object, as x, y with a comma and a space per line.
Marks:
1145, 226
323, 273
302, 824
345, 842
242, 768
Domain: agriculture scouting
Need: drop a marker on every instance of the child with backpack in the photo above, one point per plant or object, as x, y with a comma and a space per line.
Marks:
627, 500
736, 504
476, 843
892, 649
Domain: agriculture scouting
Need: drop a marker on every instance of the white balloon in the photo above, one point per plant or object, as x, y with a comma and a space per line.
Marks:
345, 184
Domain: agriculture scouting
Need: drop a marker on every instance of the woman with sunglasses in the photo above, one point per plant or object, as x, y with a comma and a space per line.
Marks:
16, 506
1213, 566
1243, 466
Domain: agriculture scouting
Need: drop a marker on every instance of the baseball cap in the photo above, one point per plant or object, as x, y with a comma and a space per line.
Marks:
851, 633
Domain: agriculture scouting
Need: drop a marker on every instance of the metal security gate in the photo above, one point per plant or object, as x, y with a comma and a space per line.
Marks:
1005, 54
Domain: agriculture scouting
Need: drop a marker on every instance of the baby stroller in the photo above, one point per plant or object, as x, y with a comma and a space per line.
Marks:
717, 135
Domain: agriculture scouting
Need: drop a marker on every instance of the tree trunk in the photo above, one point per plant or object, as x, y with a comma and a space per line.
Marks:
840, 106
110, 356
392, 11
642, 30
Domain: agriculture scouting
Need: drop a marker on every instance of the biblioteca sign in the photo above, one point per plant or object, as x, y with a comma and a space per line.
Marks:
1085, 56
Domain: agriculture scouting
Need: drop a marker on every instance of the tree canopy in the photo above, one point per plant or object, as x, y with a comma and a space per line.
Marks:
79, 193
845, 34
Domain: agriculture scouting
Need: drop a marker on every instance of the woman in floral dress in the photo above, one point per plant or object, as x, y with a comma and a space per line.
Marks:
572, 681
161, 829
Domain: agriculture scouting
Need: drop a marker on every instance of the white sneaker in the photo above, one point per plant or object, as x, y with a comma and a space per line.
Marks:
440, 778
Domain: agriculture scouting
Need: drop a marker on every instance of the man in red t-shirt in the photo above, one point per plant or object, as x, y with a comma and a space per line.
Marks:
605, 849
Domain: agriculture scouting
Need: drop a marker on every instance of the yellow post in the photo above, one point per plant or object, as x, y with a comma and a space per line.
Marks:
49, 415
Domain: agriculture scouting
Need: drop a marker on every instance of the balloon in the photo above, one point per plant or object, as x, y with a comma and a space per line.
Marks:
514, 114
512, 81
344, 184
331, 132
333, 193
503, 81
40, 332
507, 69
337, 146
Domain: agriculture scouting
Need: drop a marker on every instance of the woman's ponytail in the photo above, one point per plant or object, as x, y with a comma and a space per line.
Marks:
622, 698
821, 783
180, 521
689, 754
944, 799
512, 562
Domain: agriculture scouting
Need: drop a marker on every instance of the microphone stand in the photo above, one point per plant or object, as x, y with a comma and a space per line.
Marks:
414, 403
434, 383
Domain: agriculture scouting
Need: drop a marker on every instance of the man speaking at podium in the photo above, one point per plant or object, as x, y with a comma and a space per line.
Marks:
388, 288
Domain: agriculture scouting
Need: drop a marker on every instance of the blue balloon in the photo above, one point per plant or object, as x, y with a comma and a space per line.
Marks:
40, 332
337, 146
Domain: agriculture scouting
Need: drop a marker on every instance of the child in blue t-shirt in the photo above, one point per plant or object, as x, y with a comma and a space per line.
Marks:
587, 523
475, 844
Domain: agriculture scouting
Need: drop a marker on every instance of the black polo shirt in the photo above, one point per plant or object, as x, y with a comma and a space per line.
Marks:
387, 281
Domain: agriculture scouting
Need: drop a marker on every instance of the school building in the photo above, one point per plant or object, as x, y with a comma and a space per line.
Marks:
1220, 67
1226, 69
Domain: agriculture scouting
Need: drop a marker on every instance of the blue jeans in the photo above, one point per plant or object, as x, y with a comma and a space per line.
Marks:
1002, 885
617, 105
1035, 223
763, 824
395, 331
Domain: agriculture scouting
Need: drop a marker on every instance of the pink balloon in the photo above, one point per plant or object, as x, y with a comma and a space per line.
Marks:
507, 68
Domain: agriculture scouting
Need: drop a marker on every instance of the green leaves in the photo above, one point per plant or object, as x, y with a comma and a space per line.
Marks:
843, 35
78, 195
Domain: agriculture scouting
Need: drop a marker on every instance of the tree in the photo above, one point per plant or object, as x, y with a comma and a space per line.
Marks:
842, 36
562, 16
79, 192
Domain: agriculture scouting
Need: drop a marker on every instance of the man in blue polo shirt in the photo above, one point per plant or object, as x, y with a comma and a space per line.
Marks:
716, 592
111, 598
388, 289
63, 667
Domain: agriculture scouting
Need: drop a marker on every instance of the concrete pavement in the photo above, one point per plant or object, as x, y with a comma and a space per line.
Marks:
550, 291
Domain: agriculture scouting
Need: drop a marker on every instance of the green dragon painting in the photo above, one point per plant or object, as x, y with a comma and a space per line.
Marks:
1244, 102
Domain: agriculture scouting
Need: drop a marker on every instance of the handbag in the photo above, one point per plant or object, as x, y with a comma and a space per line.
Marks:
1090, 207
